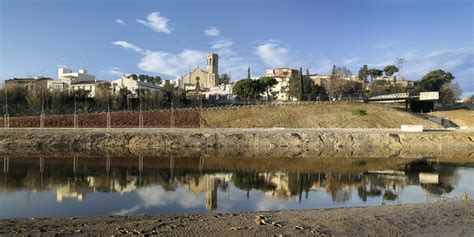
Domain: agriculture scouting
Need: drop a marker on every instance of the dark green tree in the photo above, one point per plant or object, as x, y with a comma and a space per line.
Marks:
363, 73
374, 73
334, 73
133, 77
390, 70
434, 80
247, 89
301, 90
266, 84
225, 78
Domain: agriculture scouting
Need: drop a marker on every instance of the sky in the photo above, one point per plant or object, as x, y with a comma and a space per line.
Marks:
168, 38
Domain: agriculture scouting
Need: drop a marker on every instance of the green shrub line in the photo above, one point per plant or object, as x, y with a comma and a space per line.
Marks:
359, 112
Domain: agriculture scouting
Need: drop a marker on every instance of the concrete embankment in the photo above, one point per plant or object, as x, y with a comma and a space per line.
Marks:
315, 142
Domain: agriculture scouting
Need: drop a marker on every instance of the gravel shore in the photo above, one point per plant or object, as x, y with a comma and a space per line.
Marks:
443, 218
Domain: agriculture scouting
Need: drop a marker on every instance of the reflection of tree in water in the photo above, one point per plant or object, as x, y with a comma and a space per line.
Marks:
251, 180
281, 184
448, 176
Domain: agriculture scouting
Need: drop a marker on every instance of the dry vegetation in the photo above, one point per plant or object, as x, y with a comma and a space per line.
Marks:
462, 117
325, 115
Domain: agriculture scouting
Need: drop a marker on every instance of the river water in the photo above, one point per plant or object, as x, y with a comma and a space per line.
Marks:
73, 186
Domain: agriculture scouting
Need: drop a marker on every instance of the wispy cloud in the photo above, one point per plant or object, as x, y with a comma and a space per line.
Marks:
171, 64
212, 31
127, 45
113, 71
272, 54
120, 22
222, 43
65, 66
157, 23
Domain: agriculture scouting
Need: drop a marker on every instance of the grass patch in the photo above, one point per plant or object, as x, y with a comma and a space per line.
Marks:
359, 163
359, 112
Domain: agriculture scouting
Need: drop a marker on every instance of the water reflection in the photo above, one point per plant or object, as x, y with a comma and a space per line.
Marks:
83, 186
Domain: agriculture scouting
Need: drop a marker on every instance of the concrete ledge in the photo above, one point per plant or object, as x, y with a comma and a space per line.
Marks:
412, 128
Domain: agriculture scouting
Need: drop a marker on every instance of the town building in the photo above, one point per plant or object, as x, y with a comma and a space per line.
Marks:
220, 93
205, 79
29, 84
131, 85
69, 77
320, 80
283, 76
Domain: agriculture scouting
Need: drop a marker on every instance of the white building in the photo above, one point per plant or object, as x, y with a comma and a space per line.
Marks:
68, 76
221, 92
131, 85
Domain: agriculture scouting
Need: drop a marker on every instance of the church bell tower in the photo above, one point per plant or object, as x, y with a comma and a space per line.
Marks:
213, 64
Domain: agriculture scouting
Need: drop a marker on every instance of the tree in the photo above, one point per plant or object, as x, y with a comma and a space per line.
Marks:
449, 93
390, 70
434, 80
363, 73
133, 77
334, 73
248, 73
102, 94
338, 87
374, 73
311, 90
225, 78
248, 89
266, 84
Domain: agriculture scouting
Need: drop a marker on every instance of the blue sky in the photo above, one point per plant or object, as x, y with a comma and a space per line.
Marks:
170, 37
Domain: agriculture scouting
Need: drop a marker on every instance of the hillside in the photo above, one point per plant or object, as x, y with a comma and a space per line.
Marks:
320, 115
462, 117
323, 115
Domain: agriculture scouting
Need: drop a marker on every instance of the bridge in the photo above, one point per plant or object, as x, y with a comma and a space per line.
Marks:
420, 102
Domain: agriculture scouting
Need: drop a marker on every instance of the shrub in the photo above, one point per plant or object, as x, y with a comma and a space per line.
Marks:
359, 163
359, 112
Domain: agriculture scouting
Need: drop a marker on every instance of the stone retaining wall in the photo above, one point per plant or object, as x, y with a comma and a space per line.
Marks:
317, 142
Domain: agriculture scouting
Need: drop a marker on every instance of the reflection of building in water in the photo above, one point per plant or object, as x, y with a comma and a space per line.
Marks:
78, 190
211, 193
70, 192
208, 184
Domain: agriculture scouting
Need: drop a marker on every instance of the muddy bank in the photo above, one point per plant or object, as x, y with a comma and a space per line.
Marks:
249, 142
444, 218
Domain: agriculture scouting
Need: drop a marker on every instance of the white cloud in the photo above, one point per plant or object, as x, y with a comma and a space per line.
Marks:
114, 71
127, 45
156, 196
349, 61
172, 64
157, 23
222, 43
272, 54
120, 22
212, 31
65, 66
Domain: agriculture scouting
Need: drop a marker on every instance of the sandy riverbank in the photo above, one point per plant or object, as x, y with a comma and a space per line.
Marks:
443, 218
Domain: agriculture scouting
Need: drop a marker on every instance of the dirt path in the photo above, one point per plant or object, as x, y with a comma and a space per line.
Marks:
444, 218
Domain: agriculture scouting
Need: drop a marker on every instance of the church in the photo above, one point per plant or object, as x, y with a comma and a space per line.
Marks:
205, 79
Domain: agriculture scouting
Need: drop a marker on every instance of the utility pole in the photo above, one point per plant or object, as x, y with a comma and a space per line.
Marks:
7, 117
400, 62
108, 111
75, 112
42, 114
140, 115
